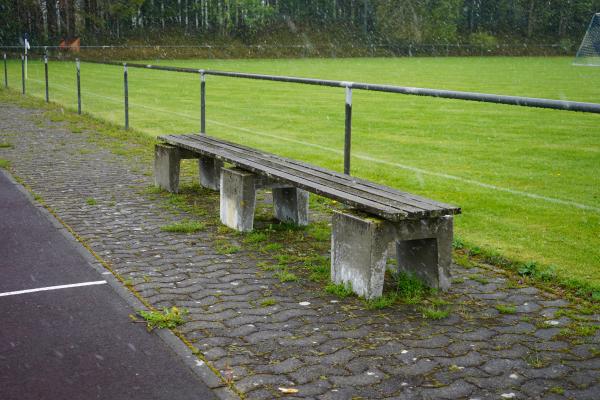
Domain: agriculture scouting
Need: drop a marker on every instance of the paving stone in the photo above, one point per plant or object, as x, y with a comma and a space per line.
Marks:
356, 380
583, 394
499, 366
547, 334
313, 389
283, 367
315, 372
254, 382
479, 334
536, 387
552, 372
432, 342
513, 351
521, 327
456, 390
339, 357
338, 394
419, 367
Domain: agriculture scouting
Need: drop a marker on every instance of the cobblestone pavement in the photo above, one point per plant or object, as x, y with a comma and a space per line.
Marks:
321, 345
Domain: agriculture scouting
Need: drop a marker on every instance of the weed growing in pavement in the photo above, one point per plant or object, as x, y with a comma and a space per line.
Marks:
268, 302
579, 329
434, 313
535, 360
270, 247
506, 308
479, 278
168, 318
286, 276
410, 288
184, 227
387, 300
340, 290
223, 246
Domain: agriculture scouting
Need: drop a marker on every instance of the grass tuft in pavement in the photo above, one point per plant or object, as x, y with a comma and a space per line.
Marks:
184, 227
169, 318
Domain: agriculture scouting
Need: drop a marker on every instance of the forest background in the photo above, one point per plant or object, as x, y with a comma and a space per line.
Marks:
488, 23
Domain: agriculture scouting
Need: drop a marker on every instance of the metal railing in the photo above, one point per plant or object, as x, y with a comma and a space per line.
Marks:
563, 105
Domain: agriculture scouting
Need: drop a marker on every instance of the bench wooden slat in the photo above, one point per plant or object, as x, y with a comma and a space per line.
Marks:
354, 185
274, 170
372, 207
376, 199
353, 189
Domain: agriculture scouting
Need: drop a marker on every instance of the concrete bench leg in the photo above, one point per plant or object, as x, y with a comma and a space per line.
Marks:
166, 167
238, 199
291, 205
210, 172
424, 248
359, 247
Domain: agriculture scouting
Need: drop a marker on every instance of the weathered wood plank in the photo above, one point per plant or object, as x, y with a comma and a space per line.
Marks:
353, 185
349, 180
370, 206
353, 189
371, 197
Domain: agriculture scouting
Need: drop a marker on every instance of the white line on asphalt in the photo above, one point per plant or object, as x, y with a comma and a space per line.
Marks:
52, 288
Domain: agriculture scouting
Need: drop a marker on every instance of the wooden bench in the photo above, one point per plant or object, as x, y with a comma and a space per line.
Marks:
420, 228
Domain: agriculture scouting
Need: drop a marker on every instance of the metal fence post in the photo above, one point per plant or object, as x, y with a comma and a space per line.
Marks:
348, 133
23, 72
202, 102
46, 76
126, 93
78, 66
5, 73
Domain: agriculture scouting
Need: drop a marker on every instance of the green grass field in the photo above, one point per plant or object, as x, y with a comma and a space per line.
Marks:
528, 180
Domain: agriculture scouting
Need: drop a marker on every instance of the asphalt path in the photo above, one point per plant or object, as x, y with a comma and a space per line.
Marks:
74, 342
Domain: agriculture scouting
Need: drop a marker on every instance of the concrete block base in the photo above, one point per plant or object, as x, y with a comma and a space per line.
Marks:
424, 248
359, 246
210, 172
360, 243
166, 167
238, 199
291, 205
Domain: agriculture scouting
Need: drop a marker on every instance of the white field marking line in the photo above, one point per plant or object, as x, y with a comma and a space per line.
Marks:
365, 157
43, 289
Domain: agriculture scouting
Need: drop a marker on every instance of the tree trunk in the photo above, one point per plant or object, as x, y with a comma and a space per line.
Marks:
530, 18
51, 18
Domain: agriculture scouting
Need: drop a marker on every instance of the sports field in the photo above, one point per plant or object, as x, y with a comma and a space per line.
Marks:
528, 180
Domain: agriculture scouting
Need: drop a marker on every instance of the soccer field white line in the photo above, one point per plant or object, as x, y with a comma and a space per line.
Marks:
59, 287
365, 157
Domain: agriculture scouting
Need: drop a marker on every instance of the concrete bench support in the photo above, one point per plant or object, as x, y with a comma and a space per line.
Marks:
210, 172
166, 167
291, 205
238, 199
359, 247
360, 243
424, 248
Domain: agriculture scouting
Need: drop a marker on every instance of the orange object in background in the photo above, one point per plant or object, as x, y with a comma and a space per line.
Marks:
70, 44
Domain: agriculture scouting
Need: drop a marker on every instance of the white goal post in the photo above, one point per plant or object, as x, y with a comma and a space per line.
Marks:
589, 51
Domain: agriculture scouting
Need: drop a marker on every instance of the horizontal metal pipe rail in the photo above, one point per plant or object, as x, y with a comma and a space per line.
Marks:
407, 90
349, 86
